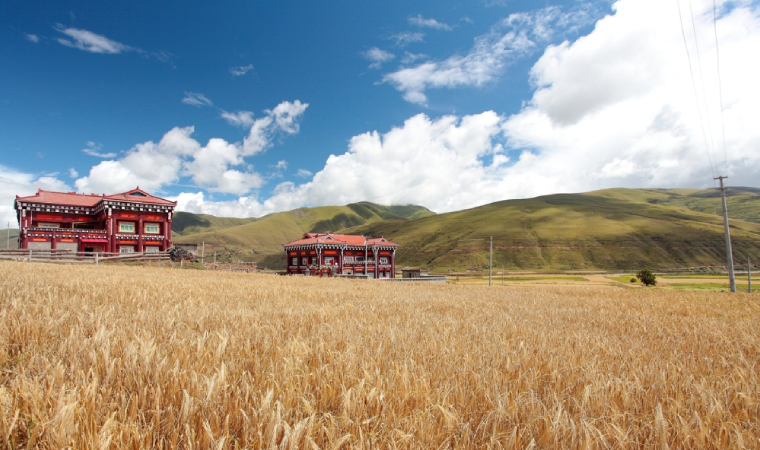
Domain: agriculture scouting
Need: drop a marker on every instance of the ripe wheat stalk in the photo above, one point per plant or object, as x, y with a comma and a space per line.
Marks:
130, 357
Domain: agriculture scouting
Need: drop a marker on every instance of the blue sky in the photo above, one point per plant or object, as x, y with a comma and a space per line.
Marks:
247, 108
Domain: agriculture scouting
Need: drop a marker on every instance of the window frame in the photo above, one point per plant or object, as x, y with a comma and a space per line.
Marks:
294, 261
151, 224
329, 260
125, 222
48, 225
126, 249
383, 260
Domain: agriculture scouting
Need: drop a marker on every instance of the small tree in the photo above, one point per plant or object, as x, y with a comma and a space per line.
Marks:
647, 277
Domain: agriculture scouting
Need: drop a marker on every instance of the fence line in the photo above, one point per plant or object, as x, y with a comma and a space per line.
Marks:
71, 257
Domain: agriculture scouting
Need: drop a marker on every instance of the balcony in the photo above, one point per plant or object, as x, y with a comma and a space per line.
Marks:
73, 232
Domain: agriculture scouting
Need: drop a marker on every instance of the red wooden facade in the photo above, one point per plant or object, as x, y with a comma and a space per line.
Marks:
133, 221
342, 254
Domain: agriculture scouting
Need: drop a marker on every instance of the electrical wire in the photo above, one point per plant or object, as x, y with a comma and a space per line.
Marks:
702, 80
720, 83
694, 86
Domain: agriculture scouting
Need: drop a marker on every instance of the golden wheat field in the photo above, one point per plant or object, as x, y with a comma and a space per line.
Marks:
133, 357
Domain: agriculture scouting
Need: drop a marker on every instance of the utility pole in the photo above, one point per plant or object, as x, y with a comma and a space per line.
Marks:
8, 241
749, 276
729, 254
203, 253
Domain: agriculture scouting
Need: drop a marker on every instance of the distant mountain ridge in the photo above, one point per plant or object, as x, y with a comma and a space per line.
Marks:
607, 229
261, 239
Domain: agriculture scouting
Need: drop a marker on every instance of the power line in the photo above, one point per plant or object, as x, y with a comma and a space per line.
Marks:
704, 90
720, 83
694, 86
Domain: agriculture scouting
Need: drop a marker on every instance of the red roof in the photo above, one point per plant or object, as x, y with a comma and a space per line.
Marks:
339, 239
74, 199
61, 198
139, 196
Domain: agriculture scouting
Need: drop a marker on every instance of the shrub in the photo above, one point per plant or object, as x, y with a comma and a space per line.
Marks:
647, 277
633, 279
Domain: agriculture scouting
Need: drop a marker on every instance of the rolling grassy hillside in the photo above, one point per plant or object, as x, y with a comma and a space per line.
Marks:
607, 229
262, 238
616, 228
184, 223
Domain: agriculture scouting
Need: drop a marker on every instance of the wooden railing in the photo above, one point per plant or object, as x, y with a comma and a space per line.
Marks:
68, 256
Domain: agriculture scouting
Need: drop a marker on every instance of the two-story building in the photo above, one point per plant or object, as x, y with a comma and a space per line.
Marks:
132, 221
346, 254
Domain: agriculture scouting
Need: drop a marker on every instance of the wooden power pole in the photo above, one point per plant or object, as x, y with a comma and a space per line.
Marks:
729, 254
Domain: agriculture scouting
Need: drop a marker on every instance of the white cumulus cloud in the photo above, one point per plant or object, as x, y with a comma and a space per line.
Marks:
219, 166
241, 70
242, 119
513, 37
613, 108
428, 23
13, 183
90, 42
377, 56
196, 99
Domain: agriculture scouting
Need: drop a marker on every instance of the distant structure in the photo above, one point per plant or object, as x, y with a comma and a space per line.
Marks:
133, 221
341, 254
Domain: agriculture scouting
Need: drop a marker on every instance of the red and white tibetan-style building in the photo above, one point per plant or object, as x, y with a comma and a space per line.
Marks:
133, 221
344, 253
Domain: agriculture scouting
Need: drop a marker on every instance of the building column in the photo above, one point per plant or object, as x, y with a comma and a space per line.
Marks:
377, 261
139, 235
169, 230
109, 232
340, 262
393, 263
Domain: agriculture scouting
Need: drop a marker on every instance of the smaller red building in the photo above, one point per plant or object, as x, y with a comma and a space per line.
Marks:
344, 253
133, 221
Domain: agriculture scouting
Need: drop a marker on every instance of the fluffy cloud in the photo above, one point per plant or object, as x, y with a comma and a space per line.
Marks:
428, 23
407, 37
196, 99
513, 37
93, 149
219, 166
90, 42
240, 119
377, 56
32, 38
13, 183
241, 70
613, 108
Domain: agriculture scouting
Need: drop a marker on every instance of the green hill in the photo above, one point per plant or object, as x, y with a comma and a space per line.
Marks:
13, 243
607, 229
261, 239
610, 229
184, 223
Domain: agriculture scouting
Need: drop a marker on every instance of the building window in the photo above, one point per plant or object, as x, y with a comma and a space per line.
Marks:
383, 260
126, 249
126, 227
151, 249
151, 228
49, 225
313, 260
305, 261
359, 259
294, 261
329, 260
348, 259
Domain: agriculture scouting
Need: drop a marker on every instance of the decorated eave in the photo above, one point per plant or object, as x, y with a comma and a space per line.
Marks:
344, 242
71, 202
